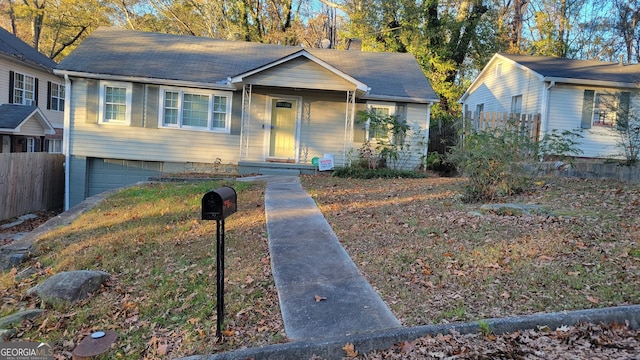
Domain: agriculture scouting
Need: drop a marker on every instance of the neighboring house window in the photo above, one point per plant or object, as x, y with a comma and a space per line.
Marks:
516, 104
187, 109
498, 70
54, 145
115, 103
24, 89
604, 109
379, 131
479, 109
31, 145
56, 97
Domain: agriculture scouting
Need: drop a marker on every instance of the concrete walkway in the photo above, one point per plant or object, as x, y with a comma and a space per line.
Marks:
322, 293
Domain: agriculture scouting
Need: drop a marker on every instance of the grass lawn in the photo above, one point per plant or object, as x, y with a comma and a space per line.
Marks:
431, 257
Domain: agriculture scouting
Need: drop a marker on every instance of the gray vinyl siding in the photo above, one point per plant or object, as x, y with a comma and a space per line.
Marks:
301, 73
321, 124
77, 185
565, 111
324, 130
143, 143
496, 92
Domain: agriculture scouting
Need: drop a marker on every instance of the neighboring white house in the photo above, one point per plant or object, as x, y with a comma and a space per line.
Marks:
31, 99
143, 103
592, 98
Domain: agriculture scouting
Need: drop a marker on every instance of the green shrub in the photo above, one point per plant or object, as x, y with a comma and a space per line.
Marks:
501, 162
366, 173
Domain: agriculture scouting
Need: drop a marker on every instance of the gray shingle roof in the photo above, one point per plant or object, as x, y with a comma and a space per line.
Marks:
18, 49
578, 69
127, 53
12, 115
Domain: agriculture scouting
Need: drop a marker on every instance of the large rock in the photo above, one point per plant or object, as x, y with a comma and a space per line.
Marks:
16, 318
69, 286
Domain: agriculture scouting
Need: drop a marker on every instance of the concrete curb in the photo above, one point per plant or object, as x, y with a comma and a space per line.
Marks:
331, 348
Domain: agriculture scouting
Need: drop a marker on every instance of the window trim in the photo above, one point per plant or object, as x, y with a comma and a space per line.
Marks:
378, 104
57, 98
212, 94
56, 144
102, 103
24, 91
514, 104
597, 109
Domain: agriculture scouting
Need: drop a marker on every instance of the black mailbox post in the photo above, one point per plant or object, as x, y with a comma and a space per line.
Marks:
217, 205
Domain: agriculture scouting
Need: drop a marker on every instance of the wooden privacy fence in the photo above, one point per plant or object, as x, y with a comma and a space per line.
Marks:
30, 182
518, 124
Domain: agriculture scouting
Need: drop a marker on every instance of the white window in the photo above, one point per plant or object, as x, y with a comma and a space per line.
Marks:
54, 145
31, 145
115, 103
498, 70
56, 100
516, 104
24, 89
605, 109
195, 109
379, 130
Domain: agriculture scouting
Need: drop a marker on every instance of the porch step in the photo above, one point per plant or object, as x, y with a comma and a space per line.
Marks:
279, 172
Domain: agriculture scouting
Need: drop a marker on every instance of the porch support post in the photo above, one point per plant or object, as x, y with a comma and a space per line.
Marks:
348, 126
246, 119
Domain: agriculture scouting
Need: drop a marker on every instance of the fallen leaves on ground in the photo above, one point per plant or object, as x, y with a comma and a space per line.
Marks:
584, 341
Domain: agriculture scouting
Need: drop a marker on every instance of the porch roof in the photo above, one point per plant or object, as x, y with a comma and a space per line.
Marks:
111, 53
14, 116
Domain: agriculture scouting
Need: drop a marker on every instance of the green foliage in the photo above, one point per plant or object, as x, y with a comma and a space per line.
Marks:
358, 172
559, 143
629, 138
493, 163
498, 162
395, 143
485, 328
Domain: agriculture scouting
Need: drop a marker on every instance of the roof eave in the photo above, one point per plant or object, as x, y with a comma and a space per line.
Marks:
401, 99
27, 62
147, 80
588, 82
486, 69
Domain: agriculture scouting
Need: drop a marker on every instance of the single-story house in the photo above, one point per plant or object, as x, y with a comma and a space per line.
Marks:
147, 103
592, 98
31, 99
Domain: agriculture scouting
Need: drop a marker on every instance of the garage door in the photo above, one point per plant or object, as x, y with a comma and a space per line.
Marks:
108, 174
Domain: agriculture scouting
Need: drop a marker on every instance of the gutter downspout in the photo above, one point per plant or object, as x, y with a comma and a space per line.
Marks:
66, 130
426, 133
544, 111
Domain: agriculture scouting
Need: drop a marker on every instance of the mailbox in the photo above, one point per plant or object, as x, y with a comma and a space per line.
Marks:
220, 203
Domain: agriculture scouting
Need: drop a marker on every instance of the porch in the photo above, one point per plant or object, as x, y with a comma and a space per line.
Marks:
275, 168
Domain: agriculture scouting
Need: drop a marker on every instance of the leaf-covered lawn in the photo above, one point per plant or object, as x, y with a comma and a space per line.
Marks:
432, 258
435, 259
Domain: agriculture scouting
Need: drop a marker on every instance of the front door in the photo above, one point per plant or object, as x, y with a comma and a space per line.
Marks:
283, 129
